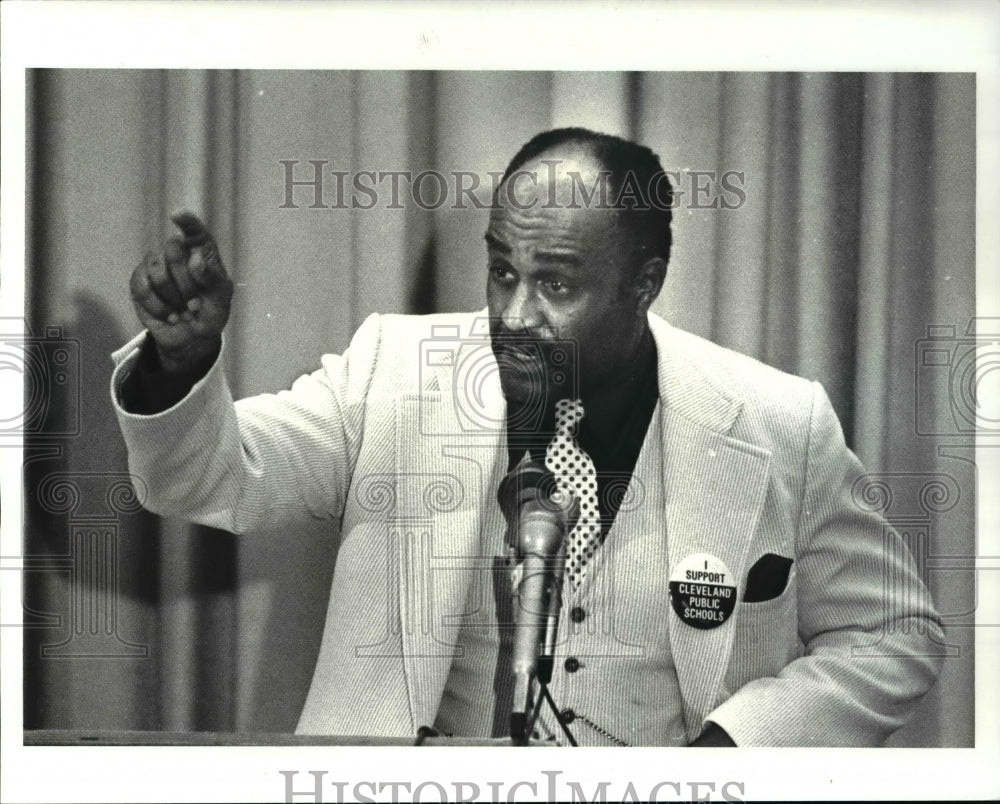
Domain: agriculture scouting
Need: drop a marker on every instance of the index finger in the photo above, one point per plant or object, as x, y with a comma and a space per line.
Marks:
194, 231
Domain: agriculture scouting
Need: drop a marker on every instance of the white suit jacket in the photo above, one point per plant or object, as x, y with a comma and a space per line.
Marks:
402, 439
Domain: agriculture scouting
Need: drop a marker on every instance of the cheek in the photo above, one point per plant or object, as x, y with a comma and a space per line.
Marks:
604, 339
591, 321
496, 299
586, 332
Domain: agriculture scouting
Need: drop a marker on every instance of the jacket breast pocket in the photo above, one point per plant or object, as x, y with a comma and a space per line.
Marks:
766, 637
774, 612
771, 616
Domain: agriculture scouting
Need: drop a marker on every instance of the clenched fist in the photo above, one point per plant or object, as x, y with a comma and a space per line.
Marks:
183, 296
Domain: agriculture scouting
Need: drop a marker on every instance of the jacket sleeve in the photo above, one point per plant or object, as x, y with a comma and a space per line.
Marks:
257, 463
872, 638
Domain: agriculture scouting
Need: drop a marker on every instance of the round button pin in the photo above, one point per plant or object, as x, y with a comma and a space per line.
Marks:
702, 591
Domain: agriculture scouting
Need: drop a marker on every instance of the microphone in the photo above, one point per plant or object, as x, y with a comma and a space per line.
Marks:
539, 515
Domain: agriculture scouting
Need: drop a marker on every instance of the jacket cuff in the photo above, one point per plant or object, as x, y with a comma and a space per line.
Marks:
176, 420
741, 726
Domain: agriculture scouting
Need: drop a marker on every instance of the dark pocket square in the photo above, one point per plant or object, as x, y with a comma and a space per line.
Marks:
767, 578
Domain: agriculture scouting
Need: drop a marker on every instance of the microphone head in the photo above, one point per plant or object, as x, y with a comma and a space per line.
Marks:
531, 484
523, 483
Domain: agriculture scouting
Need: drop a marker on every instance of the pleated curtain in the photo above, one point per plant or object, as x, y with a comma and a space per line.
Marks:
854, 235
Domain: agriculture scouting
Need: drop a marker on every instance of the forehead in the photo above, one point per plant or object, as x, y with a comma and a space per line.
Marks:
586, 227
545, 202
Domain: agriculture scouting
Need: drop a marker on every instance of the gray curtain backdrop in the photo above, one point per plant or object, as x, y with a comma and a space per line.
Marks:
854, 236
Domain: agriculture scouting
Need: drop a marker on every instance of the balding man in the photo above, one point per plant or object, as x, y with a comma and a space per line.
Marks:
721, 587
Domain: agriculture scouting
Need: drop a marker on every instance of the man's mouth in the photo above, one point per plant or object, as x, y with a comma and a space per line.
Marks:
520, 344
533, 361
527, 357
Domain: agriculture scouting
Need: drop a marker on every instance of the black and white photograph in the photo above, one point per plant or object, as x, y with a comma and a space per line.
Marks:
358, 402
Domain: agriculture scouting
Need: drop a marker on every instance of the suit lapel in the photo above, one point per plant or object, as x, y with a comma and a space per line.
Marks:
714, 490
449, 461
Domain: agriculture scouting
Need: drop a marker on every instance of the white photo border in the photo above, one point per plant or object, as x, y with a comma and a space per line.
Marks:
862, 36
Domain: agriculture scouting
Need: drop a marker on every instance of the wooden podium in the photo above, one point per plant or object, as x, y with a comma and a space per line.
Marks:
97, 737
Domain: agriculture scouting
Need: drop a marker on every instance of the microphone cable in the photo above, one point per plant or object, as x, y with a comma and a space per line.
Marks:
536, 710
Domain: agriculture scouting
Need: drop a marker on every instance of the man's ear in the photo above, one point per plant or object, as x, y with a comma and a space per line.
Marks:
648, 283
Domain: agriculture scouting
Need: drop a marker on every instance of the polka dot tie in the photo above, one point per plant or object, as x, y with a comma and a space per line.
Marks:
575, 474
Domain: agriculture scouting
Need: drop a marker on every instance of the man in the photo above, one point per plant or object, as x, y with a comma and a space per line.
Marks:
721, 585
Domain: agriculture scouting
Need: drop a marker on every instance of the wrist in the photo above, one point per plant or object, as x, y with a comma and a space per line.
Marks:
713, 736
195, 359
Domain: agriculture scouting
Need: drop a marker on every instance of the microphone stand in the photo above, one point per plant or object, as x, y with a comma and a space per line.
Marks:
539, 516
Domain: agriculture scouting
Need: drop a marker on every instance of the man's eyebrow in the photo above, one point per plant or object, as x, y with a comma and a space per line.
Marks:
558, 257
549, 257
493, 243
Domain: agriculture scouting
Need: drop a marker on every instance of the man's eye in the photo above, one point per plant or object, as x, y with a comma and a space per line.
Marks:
557, 286
501, 272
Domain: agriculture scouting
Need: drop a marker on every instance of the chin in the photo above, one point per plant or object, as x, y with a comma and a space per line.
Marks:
519, 388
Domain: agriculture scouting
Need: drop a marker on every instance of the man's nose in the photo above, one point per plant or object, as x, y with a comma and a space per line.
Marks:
522, 311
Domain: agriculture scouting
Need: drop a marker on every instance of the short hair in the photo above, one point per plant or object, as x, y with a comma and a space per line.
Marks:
648, 219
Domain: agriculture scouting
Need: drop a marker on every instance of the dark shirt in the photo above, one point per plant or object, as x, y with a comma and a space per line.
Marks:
616, 418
